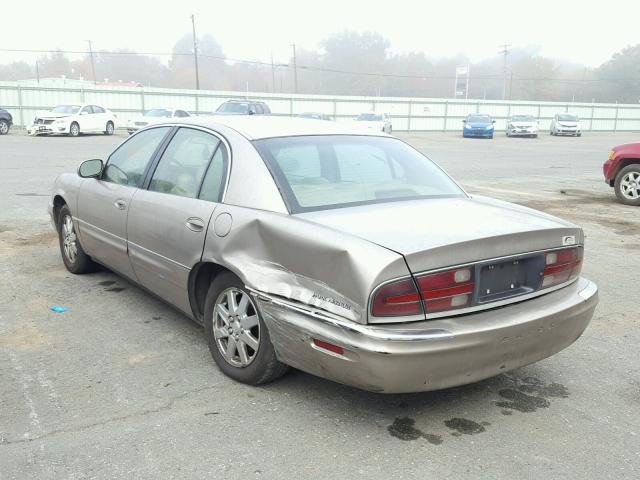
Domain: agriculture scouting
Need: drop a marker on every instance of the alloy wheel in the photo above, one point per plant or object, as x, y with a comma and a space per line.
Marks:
236, 327
69, 239
630, 185
4, 128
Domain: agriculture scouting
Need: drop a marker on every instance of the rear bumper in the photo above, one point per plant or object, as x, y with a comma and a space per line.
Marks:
434, 354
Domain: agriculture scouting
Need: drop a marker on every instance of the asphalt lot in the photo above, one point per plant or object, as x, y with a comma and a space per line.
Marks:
121, 386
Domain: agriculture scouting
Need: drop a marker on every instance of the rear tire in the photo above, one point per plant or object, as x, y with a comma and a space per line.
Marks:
109, 129
623, 186
231, 332
73, 255
4, 127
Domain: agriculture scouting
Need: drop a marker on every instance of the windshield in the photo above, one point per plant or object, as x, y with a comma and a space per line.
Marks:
568, 118
66, 109
332, 171
369, 117
158, 112
479, 119
233, 107
522, 118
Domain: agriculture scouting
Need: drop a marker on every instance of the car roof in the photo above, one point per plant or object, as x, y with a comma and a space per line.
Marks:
255, 127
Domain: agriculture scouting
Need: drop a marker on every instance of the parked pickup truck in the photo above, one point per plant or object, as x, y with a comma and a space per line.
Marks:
622, 172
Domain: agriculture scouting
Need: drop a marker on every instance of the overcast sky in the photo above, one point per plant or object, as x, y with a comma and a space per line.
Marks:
587, 32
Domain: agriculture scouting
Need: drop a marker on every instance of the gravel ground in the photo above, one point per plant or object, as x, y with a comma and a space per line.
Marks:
121, 386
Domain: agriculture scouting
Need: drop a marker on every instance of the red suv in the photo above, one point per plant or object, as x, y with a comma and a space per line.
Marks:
622, 172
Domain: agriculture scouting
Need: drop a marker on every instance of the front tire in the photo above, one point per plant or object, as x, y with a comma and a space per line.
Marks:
109, 129
627, 185
237, 336
74, 129
4, 127
73, 255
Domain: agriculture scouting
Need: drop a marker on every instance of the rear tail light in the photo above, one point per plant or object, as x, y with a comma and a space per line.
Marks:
437, 292
561, 266
396, 299
447, 290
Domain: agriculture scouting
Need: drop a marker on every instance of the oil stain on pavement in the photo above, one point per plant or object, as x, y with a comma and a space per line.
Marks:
531, 395
462, 426
404, 429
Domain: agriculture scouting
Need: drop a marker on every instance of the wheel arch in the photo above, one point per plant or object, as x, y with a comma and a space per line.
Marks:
200, 278
58, 202
622, 164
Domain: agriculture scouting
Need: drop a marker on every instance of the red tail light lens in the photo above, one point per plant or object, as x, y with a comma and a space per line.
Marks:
396, 299
448, 290
561, 266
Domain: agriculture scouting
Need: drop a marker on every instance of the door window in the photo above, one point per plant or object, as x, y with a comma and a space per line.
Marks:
86, 110
126, 166
97, 109
184, 163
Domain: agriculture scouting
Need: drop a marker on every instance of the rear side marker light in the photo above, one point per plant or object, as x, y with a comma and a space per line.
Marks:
328, 346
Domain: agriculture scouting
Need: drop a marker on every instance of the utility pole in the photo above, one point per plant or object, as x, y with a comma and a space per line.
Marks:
505, 52
93, 65
273, 75
195, 51
295, 69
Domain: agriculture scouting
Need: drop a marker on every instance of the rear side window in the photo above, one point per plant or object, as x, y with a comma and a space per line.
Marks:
184, 163
214, 179
126, 166
97, 109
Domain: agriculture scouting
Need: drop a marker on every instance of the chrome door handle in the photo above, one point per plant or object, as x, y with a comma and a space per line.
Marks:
120, 204
195, 224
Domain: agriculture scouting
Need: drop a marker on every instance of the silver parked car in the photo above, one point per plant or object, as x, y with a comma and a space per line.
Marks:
565, 124
345, 254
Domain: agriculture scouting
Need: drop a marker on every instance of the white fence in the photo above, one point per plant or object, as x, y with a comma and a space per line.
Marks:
24, 101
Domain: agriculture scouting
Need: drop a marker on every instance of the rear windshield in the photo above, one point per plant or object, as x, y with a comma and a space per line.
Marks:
333, 171
369, 117
568, 118
233, 107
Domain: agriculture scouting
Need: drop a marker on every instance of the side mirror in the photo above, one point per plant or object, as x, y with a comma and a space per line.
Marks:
493, 121
84, 112
252, 111
91, 168
464, 120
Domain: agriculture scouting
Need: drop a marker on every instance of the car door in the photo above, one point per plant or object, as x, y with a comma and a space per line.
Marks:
99, 118
168, 220
86, 119
103, 204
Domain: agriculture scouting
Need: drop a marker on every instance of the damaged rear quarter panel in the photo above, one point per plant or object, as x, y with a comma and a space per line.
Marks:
298, 260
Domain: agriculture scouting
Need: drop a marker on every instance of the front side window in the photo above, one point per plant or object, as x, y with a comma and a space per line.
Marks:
126, 166
332, 171
97, 109
184, 163
86, 110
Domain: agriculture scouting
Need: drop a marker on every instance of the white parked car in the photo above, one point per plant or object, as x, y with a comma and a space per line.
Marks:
153, 117
74, 120
522, 126
379, 122
565, 124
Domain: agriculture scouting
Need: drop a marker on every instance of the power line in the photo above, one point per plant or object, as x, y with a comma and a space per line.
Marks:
488, 76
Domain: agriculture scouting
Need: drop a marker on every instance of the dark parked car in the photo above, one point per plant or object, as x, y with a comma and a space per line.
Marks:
6, 120
243, 107
622, 172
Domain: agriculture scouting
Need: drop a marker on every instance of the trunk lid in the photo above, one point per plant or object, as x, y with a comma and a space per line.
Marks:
436, 233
